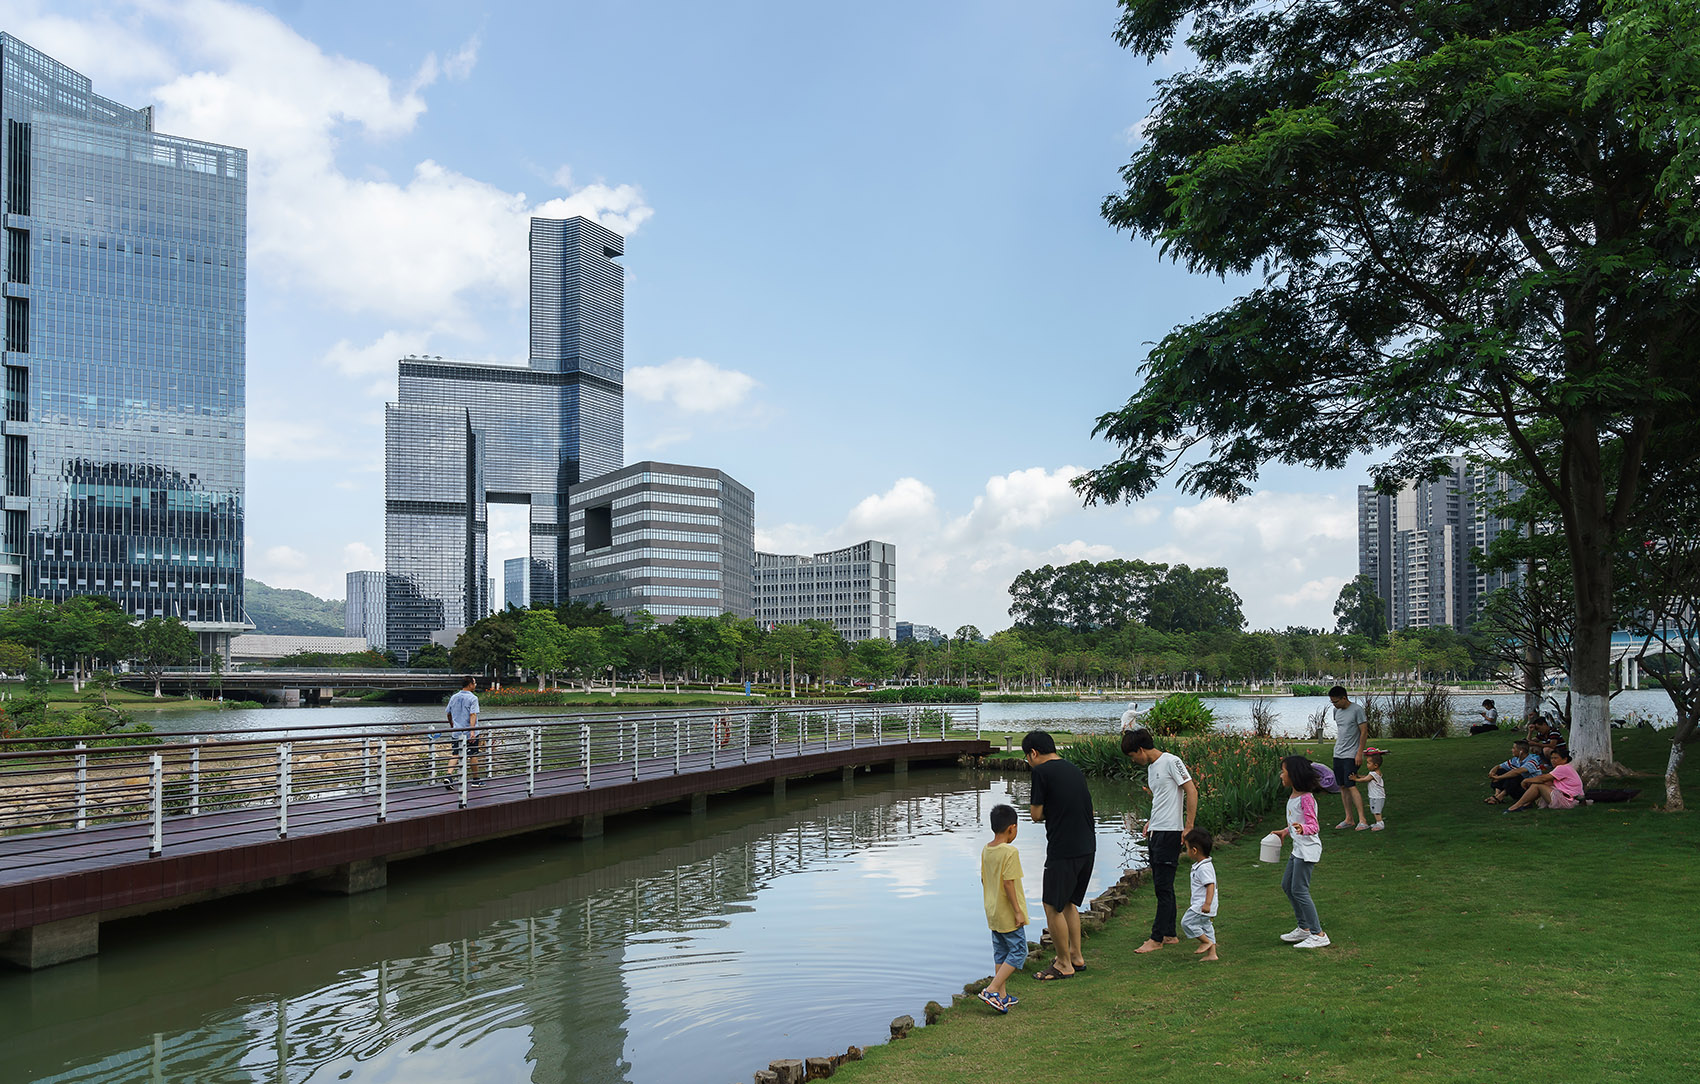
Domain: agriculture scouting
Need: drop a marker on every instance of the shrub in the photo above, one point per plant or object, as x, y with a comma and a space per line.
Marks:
926, 694
1416, 714
1262, 717
109, 729
1179, 713
1238, 775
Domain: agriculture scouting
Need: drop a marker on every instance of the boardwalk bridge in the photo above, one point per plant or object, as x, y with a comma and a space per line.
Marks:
100, 829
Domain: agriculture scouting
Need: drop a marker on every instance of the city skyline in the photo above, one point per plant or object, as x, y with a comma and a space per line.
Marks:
860, 367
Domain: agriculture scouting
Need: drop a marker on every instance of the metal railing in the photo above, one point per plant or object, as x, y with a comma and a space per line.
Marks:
191, 789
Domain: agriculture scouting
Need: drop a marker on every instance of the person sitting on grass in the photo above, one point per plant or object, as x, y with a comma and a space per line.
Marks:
1509, 775
1544, 735
1560, 788
1006, 906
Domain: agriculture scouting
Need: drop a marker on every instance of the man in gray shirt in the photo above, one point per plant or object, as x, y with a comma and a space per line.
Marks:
1351, 731
463, 731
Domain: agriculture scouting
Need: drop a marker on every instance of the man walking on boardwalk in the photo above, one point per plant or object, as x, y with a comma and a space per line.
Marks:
1061, 802
463, 732
1171, 789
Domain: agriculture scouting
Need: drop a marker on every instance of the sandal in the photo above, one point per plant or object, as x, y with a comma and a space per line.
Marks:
1051, 974
999, 1003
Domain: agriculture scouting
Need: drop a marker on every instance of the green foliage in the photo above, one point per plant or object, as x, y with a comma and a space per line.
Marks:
1420, 713
324, 660
1112, 594
1179, 713
925, 694
429, 657
1238, 776
1300, 689
1359, 609
282, 612
106, 729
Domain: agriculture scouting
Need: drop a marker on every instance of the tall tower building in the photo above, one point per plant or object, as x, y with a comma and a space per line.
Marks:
535, 432
1418, 545
124, 353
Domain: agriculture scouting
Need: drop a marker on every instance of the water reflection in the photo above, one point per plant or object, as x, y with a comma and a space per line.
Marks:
673, 948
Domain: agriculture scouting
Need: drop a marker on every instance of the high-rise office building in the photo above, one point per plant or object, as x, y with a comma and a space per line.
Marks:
363, 608
854, 588
124, 353
435, 523
516, 582
537, 430
1417, 545
908, 630
675, 540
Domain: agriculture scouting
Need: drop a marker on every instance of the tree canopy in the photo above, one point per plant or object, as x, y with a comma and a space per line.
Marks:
1472, 220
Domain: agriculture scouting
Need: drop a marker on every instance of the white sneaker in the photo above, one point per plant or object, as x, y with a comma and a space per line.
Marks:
1315, 940
1298, 933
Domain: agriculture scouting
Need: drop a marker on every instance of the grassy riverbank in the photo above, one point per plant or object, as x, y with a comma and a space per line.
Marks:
1468, 946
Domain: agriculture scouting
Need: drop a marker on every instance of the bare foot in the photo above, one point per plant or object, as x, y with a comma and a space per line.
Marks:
1202, 949
1149, 946
1171, 940
1209, 957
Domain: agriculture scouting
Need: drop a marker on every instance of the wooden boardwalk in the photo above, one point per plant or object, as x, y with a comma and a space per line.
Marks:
56, 887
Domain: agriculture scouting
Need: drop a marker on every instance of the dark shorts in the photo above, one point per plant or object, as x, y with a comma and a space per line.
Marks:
1343, 769
1065, 881
462, 746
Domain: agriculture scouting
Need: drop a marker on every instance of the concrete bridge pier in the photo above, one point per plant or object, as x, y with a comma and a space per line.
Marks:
52, 942
353, 878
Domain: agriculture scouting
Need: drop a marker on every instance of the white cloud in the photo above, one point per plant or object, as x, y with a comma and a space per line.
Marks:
691, 385
376, 358
358, 555
286, 440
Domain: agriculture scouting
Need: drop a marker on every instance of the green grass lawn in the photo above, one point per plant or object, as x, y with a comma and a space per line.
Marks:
1553, 948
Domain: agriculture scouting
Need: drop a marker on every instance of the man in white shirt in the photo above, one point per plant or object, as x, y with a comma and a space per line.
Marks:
1172, 789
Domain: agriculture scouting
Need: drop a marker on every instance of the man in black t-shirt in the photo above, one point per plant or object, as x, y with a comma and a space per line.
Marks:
1063, 805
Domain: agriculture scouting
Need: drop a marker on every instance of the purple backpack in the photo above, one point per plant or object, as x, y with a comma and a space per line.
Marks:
1325, 778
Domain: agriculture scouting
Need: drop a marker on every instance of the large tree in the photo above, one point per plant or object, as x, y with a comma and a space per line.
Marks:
1360, 609
1470, 219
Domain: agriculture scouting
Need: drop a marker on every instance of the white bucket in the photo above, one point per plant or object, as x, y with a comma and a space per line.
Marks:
1270, 851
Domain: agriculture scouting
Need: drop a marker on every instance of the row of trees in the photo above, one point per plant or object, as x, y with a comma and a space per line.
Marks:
85, 633
589, 645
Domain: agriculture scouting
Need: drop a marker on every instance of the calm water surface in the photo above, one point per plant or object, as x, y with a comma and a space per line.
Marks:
673, 949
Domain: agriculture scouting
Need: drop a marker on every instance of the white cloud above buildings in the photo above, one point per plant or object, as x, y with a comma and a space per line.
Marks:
690, 385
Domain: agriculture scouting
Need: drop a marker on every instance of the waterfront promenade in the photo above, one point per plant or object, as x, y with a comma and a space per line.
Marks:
96, 834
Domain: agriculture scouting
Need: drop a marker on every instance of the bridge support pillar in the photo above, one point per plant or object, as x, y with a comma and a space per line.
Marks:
588, 826
699, 805
900, 766
779, 788
52, 942
849, 774
353, 878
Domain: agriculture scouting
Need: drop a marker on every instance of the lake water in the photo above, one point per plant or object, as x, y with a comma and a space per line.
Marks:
672, 949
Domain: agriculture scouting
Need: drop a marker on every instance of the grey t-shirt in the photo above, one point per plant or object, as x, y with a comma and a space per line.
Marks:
462, 707
1347, 738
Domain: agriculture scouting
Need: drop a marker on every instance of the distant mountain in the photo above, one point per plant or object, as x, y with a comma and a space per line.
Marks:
290, 613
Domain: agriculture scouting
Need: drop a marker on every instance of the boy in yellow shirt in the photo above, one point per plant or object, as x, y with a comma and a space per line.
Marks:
1006, 906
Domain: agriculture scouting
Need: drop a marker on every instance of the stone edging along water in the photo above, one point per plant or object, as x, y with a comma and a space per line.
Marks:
1092, 919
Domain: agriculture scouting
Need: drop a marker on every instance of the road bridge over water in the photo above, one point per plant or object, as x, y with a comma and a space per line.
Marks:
110, 831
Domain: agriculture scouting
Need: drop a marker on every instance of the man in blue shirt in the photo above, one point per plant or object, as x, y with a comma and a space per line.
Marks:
463, 731
1510, 775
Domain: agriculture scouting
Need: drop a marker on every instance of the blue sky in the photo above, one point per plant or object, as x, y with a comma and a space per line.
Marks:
866, 273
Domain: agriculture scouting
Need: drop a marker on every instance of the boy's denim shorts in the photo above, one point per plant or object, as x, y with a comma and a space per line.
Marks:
1010, 948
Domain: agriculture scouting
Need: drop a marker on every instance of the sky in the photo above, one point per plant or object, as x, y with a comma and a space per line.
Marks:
865, 270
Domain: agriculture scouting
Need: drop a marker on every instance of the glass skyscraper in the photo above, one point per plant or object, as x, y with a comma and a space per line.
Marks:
124, 353
535, 432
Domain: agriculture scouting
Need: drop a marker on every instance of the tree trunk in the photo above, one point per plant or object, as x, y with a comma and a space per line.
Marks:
1591, 541
1673, 789
157, 678
540, 681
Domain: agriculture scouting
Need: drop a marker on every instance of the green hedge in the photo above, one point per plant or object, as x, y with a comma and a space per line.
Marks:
926, 694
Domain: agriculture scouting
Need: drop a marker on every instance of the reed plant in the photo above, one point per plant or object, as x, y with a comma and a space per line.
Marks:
1238, 775
1414, 713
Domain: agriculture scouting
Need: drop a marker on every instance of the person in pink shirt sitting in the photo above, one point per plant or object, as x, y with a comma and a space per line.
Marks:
1560, 788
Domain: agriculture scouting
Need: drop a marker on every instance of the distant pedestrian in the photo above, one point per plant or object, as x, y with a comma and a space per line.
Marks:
1130, 717
1174, 802
1302, 828
1205, 899
463, 733
1006, 906
1351, 731
1062, 803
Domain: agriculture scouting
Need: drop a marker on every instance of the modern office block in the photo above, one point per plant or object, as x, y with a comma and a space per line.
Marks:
675, 540
435, 524
363, 608
124, 354
516, 582
855, 588
543, 426
908, 630
1418, 545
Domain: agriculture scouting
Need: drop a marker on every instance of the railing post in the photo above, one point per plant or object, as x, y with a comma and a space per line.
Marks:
675, 746
976, 722
431, 744
464, 766
713, 742
365, 765
383, 779
194, 777
853, 728
746, 722
635, 726
282, 789
82, 787
156, 787
584, 735
531, 739
944, 725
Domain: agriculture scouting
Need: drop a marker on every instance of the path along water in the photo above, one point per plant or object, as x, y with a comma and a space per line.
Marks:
674, 948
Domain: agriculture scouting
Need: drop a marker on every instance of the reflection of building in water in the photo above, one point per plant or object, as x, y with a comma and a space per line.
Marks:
462, 956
